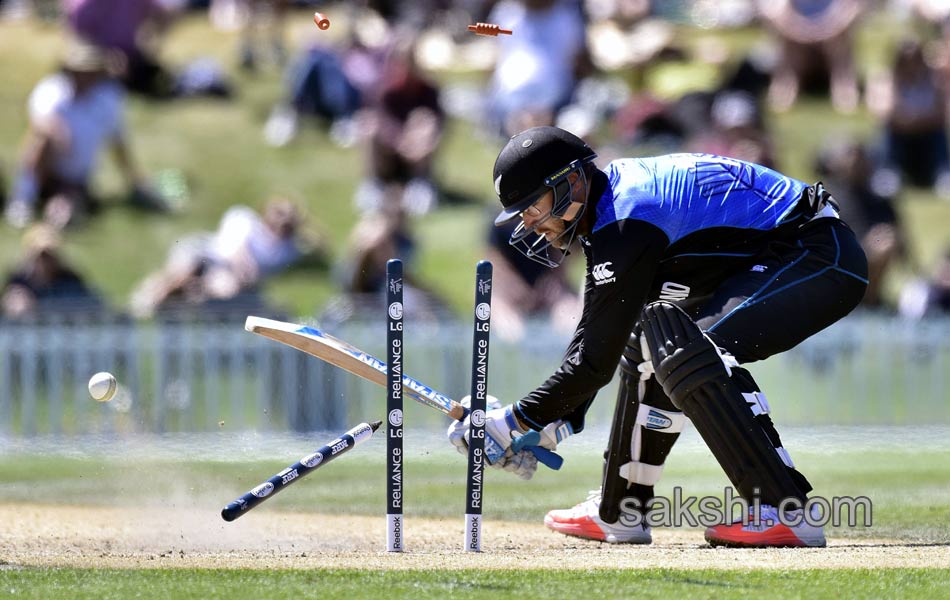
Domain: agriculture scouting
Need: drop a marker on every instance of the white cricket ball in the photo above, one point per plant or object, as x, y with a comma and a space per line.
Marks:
102, 386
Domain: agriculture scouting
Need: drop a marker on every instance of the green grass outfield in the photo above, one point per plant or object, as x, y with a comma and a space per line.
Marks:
908, 483
910, 494
110, 584
909, 488
905, 473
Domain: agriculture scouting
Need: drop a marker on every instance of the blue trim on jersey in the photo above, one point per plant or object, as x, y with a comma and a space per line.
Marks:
755, 298
534, 425
812, 276
834, 234
685, 193
792, 284
850, 274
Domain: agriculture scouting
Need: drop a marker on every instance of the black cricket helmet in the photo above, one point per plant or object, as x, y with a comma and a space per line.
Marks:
533, 162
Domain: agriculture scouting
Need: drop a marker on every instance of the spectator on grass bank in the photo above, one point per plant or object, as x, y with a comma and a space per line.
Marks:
317, 86
849, 170
262, 32
332, 83
930, 296
737, 130
418, 13
935, 13
525, 290
42, 283
911, 100
246, 249
133, 29
726, 122
538, 67
74, 114
403, 127
816, 46
379, 236
651, 125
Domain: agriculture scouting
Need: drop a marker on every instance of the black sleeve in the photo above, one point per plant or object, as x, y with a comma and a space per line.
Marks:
622, 260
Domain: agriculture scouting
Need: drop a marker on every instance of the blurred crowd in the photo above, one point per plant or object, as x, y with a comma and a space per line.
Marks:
613, 71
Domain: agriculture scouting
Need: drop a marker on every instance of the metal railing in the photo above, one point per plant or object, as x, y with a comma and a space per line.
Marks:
172, 377
866, 369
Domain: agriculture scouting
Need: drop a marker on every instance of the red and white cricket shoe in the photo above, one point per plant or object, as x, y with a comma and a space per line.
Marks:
584, 521
770, 532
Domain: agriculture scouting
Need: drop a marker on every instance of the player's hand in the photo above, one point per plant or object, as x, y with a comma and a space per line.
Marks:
458, 430
501, 429
555, 433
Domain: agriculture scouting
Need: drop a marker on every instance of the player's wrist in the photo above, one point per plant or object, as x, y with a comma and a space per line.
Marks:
524, 427
514, 421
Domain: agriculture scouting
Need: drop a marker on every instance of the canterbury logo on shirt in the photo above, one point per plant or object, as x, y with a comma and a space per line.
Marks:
602, 273
674, 291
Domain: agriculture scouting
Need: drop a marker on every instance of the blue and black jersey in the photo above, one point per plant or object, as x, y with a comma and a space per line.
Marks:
673, 228
713, 212
682, 194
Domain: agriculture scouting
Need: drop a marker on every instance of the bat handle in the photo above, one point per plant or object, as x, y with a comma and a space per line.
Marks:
529, 442
548, 458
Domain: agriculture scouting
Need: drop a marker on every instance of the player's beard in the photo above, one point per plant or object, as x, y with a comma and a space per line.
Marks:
536, 246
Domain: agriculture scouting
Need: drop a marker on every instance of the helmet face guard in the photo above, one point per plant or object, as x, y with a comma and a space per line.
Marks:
536, 246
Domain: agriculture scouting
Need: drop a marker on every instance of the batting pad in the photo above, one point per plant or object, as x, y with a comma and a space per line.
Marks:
697, 378
641, 437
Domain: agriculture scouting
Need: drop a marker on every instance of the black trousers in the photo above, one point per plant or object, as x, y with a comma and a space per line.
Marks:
795, 289
792, 290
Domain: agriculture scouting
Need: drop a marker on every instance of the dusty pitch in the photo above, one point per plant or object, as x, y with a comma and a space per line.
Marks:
62, 536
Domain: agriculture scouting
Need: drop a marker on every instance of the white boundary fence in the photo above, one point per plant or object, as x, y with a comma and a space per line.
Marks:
204, 377
194, 377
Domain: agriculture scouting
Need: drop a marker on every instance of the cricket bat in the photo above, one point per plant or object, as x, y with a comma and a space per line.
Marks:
353, 360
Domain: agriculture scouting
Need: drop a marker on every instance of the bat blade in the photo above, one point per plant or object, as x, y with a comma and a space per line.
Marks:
349, 358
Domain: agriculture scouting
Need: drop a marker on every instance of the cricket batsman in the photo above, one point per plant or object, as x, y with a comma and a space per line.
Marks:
696, 265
